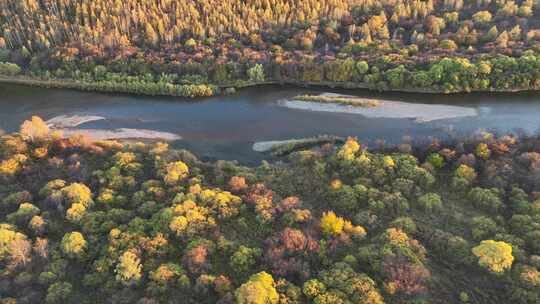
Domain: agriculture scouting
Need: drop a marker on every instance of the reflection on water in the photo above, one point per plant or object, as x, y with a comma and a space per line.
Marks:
225, 127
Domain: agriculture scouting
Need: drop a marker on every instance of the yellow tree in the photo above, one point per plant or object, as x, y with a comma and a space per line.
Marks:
176, 172
495, 256
73, 244
34, 130
129, 269
259, 289
331, 224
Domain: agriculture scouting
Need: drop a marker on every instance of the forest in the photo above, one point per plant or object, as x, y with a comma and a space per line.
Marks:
85, 221
202, 47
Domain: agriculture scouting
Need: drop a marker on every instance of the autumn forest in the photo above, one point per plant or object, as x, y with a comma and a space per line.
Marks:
203, 47
86, 221
328, 219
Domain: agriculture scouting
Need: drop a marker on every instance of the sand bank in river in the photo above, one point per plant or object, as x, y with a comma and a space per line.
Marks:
68, 125
386, 109
71, 121
122, 133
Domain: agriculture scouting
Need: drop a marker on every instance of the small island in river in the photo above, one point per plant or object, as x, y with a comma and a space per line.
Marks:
340, 99
337, 103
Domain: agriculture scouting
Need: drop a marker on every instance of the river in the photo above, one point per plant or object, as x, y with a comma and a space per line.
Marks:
226, 127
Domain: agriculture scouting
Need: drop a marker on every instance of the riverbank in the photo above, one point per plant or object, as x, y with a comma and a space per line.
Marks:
208, 90
285, 147
137, 88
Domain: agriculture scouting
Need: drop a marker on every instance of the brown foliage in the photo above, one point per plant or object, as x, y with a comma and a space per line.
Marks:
288, 203
238, 183
41, 248
262, 198
195, 259
467, 159
20, 253
288, 251
404, 277
222, 285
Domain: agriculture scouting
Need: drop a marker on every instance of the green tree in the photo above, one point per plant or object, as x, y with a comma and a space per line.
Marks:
436, 160
58, 292
486, 199
341, 284
256, 73
9, 69
430, 202
483, 227
482, 17
448, 45
397, 76
244, 259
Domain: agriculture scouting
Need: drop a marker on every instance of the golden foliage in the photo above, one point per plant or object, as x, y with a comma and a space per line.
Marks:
260, 289
331, 224
129, 268
495, 256
176, 172
34, 130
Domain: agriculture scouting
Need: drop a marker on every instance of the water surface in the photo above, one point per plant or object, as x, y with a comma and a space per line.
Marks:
225, 127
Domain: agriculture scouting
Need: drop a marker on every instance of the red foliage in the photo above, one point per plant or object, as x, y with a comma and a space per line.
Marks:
259, 192
20, 253
499, 148
405, 277
195, 259
222, 285
41, 248
448, 154
467, 159
288, 250
238, 183
288, 203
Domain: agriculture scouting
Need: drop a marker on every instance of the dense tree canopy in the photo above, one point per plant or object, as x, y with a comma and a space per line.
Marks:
179, 47
109, 222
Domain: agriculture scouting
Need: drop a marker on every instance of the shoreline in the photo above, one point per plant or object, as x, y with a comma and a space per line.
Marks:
94, 87
285, 147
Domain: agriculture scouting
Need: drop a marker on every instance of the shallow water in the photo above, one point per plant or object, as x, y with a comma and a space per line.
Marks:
225, 127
